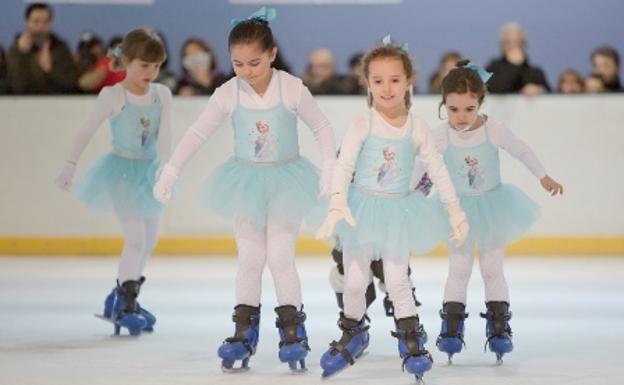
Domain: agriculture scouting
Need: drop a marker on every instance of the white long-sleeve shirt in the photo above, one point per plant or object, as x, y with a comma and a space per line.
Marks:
499, 135
429, 156
109, 103
295, 96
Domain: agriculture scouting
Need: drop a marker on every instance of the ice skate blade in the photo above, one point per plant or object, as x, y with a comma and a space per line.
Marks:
103, 318
234, 370
326, 376
297, 369
106, 319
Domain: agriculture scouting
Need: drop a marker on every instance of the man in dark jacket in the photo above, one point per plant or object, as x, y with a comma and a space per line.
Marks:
512, 71
38, 61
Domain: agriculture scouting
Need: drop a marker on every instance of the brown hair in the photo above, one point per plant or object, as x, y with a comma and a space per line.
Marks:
142, 44
388, 51
461, 80
252, 31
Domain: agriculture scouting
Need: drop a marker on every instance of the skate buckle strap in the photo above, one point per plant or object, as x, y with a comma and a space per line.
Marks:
342, 350
244, 341
412, 342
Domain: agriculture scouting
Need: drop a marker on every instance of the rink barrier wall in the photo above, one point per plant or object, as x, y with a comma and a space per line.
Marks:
90, 246
578, 139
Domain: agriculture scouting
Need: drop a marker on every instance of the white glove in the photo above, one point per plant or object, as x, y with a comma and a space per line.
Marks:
338, 210
64, 180
164, 186
459, 224
325, 180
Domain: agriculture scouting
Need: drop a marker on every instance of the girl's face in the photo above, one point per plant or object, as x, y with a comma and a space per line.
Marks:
251, 63
462, 110
388, 82
140, 73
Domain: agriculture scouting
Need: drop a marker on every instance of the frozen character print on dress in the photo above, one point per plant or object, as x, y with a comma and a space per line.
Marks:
475, 176
147, 136
264, 144
389, 170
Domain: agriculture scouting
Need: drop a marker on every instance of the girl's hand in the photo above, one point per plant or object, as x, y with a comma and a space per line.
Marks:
164, 186
338, 210
551, 186
64, 180
459, 224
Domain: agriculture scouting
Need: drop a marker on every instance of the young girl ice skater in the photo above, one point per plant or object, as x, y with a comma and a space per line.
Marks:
122, 180
498, 213
385, 218
266, 187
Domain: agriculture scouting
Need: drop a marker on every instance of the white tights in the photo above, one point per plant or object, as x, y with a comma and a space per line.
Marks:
140, 237
460, 268
273, 244
357, 278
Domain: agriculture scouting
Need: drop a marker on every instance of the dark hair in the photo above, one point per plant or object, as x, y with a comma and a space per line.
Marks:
388, 51
84, 57
252, 31
609, 52
141, 44
38, 6
461, 80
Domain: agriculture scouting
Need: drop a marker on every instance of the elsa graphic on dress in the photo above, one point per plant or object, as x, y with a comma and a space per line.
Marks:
474, 174
147, 136
265, 143
388, 171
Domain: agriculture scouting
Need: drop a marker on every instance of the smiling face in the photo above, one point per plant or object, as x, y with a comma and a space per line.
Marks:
388, 82
462, 110
252, 64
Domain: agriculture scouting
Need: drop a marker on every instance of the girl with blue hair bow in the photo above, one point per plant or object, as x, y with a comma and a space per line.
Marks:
378, 216
498, 213
266, 187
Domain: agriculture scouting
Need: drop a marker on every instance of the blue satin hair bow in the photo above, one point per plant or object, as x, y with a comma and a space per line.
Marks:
264, 14
387, 41
483, 74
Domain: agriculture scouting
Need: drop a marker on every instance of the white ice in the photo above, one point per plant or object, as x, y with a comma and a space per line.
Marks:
568, 319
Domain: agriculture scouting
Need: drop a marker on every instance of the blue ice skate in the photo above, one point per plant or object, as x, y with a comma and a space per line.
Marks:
451, 338
242, 345
351, 346
497, 329
115, 303
128, 315
412, 339
293, 346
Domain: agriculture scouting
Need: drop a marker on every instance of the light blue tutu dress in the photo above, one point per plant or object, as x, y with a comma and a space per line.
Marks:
498, 213
392, 220
122, 181
266, 176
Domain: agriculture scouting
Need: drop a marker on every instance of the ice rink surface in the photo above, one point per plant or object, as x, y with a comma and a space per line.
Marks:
568, 316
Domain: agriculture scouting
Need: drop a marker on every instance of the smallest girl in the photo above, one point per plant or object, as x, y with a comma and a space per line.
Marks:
122, 180
498, 213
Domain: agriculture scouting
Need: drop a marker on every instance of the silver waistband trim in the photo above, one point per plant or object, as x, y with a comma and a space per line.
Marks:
129, 156
267, 164
476, 194
382, 194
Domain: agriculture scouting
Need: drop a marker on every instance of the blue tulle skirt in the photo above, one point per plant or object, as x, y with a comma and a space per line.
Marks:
391, 227
499, 216
286, 191
123, 185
